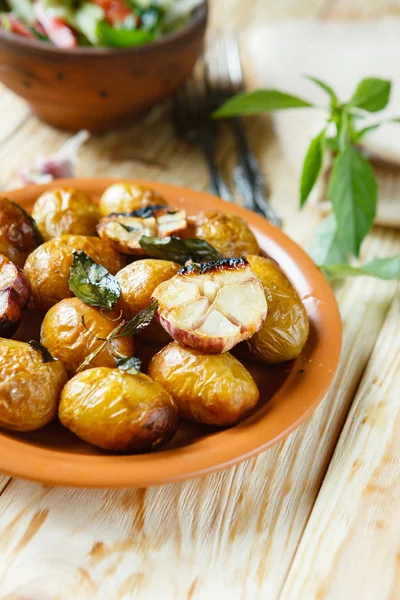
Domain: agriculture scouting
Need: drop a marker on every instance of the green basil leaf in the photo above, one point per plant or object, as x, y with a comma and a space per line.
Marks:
129, 364
259, 101
122, 38
142, 320
382, 268
326, 248
46, 356
352, 190
362, 132
372, 94
327, 88
92, 283
358, 135
179, 250
311, 166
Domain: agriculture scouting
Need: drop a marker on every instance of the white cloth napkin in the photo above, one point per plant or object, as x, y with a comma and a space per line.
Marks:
340, 53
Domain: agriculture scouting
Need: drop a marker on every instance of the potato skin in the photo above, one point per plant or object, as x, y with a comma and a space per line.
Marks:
29, 388
117, 411
65, 211
286, 328
138, 282
125, 197
71, 341
18, 235
213, 389
48, 266
226, 232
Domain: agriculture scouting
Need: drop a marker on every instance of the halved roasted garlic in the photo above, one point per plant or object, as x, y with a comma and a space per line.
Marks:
124, 230
212, 306
15, 291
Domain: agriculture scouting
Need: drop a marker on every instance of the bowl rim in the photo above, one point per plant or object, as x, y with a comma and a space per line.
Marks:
293, 403
197, 20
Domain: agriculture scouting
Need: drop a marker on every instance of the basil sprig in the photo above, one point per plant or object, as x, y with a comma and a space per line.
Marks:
352, 187
92, 283
124, 329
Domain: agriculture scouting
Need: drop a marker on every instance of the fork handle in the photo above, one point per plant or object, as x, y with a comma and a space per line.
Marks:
248, 177
218, 186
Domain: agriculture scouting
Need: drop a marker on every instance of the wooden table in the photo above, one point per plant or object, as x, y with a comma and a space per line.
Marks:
318, 516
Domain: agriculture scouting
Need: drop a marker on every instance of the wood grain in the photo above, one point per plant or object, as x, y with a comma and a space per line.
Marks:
232, 534
354, 527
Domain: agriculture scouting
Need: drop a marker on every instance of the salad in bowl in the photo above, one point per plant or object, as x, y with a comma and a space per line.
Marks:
95, 23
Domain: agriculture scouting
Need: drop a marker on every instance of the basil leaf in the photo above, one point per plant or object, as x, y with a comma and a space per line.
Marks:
142, 320
46, 356
326, 248
92, 283
251, 103
179, 250
129, 364
382, 268
372, 94
122, 38
362, 132
352, 190
327, 88
311, 166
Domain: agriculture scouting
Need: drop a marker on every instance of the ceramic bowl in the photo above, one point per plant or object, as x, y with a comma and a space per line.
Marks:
99, 88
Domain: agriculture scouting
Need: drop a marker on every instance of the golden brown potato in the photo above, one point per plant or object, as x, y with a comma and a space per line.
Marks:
65, 210
117, 411
15, 291
125, 197
138, 282
286, 327
19, 235
29, 387
226, 232
214, 389
71, 331
48, 266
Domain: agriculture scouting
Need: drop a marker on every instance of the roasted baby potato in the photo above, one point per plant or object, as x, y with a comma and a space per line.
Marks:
19, 235
49, 265
71, 330
286, 328
65, 210
138, 282
124, 230
123, 197
15, 291
212, 389
117, 411
212, 306
226, 232
30, 386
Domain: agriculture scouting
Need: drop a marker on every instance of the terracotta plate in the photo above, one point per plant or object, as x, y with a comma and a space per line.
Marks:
289, 393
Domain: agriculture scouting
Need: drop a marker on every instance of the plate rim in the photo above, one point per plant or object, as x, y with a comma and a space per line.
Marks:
54, 467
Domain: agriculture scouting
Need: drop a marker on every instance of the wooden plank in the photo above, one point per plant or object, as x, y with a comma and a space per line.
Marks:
351, 545
232, 533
